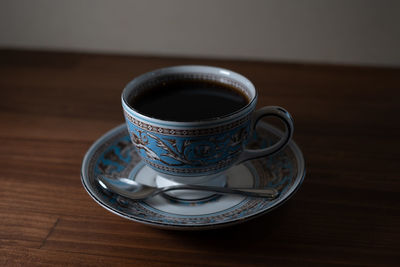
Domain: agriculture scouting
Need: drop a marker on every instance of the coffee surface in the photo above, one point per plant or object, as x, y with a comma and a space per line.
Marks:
188, 100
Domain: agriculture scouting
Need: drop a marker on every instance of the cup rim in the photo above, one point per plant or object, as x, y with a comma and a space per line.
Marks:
189, 69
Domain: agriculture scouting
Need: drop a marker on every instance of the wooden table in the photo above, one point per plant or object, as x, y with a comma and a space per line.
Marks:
53, 106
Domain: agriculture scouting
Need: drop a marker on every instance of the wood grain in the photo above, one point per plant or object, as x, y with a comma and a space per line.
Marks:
54, 105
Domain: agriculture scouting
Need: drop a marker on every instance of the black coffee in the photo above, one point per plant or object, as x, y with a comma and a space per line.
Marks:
188, 100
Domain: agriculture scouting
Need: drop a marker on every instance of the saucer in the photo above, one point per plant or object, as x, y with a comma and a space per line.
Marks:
114, 154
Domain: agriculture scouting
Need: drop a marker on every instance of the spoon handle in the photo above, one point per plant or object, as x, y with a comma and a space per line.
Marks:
268, 192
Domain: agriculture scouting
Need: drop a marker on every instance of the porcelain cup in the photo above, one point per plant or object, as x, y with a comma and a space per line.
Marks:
192, 151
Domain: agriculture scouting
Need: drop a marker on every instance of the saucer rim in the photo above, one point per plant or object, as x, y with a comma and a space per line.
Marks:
299, 180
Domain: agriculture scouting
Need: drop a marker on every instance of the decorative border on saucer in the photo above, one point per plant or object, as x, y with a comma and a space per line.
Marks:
144, 211
186, 132
285, 172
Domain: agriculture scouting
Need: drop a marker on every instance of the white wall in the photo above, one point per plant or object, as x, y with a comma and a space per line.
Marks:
329, 31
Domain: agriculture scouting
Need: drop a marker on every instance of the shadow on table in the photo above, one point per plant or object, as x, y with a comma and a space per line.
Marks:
255, 234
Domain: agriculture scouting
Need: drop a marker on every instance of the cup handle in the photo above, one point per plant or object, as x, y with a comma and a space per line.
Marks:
284, 116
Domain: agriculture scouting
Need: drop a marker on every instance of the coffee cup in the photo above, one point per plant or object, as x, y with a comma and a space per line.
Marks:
182, 128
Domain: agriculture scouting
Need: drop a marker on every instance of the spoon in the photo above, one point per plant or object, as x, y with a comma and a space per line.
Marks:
137, 191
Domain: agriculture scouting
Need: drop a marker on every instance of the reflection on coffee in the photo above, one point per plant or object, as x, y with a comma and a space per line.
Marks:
188, 100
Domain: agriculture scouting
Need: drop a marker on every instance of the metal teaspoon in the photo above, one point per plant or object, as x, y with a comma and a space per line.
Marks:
137, 191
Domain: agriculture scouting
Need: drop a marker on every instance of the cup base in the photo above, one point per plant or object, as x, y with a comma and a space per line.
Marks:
192, 195
146, 175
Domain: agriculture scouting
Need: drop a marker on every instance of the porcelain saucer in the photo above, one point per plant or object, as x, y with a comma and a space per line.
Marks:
114, 154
